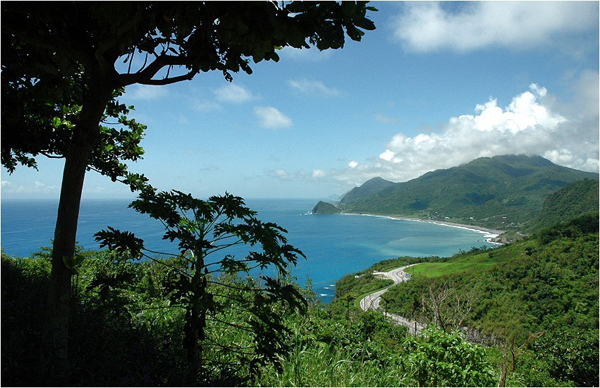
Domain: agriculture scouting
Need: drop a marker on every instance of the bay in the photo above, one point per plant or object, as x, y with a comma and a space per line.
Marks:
334, 245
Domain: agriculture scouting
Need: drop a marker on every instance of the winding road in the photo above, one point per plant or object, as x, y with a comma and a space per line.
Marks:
372, 301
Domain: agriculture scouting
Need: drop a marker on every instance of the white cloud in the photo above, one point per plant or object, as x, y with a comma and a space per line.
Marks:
299, 175
313, 88
306, 55
147, 92
318, 173
353, 164
387, 155
271, 118
37, 187
279, 173
528, 125
233, 93
428, 26
206, 106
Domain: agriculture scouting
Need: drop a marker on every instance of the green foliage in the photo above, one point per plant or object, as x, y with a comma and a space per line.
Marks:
369, 351
583, 225
24, 284
438, 359
543, 284
365, 351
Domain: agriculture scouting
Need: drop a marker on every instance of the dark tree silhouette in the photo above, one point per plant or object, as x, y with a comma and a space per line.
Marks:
64, 54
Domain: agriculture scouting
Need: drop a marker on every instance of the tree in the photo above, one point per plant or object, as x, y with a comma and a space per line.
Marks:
69, 51
205, 231
448, 306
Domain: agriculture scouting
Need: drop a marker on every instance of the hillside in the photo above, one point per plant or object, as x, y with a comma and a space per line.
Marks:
325, 208
570, 202
536, 299
371, 186
501, 192
545, 284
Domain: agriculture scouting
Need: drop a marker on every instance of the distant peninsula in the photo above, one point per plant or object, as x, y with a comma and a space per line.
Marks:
325, 208
505, 192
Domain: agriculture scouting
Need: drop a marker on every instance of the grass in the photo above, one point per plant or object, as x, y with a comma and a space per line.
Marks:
464, 262
319, 364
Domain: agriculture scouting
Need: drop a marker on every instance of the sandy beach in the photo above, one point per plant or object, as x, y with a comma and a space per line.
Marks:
489, 233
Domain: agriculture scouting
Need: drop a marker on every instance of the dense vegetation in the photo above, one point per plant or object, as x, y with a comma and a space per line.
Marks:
501, 192
567, 203
127, 331
544, 286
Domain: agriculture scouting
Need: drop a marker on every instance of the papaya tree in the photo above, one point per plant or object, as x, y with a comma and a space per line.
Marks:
206, 231
54, 52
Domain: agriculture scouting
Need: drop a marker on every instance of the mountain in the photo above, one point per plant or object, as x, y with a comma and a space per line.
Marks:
369, 187
500, 192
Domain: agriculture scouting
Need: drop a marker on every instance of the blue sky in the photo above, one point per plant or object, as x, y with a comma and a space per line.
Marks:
434, 86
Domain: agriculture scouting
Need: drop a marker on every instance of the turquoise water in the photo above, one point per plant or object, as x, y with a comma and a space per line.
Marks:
334, 245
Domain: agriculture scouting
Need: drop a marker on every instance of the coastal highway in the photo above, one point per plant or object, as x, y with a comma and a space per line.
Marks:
371, 301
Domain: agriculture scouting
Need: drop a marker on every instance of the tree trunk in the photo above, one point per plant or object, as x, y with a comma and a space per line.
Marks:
59, 297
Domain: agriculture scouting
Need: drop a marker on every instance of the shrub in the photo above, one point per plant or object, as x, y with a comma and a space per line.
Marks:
437, 358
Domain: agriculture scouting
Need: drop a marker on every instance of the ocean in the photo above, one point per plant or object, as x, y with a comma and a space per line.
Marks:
334, 245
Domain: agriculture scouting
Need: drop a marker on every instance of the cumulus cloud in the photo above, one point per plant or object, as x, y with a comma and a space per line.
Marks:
313, 88
271, 118
527, 125
233, 93
353, 164
428, 26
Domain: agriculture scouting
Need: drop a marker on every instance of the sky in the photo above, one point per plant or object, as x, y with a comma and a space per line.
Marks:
436, 85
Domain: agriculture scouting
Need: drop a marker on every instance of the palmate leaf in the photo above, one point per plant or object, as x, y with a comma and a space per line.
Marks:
119, 241
286, 293
230, 265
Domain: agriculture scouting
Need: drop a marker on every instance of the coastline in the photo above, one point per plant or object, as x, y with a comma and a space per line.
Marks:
490, 234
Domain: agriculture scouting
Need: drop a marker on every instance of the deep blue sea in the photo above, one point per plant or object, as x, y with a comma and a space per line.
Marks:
334, 245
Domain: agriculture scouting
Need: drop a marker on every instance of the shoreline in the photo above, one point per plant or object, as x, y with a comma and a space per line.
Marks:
490, 234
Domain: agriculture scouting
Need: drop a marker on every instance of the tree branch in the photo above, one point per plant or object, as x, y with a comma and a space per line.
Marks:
145, 76
168, 81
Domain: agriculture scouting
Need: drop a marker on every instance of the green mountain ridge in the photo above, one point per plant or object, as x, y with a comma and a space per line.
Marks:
371, 186
501, 192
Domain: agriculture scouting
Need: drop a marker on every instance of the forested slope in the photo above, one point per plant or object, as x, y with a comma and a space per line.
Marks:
546, 285
501, 192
